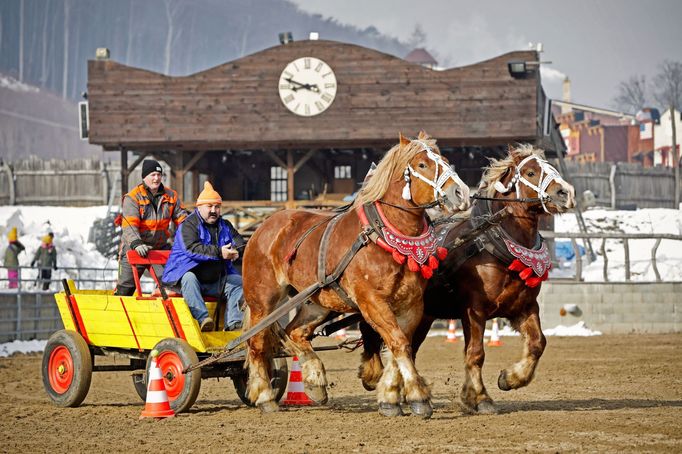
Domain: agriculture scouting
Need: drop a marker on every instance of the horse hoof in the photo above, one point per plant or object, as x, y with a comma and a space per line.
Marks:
269, 407
502, 381
486, 408
423, 409
390, 410
317, 394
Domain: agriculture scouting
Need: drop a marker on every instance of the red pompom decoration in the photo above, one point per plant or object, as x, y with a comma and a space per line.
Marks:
441, 252
433, 262
525, 274
516, 265
427, 272
398, 257
412, 265
533, 282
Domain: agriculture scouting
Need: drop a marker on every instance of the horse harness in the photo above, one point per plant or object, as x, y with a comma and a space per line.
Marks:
496, 241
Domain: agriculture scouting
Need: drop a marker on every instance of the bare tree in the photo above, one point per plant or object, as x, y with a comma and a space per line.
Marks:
668, 85
417, 38
632, 94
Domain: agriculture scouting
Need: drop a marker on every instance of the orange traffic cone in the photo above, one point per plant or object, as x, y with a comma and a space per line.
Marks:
295, 393
156, 405
451, 332
495, 336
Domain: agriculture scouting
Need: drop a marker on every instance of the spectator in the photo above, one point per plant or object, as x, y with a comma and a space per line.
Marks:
11, 261
46, 259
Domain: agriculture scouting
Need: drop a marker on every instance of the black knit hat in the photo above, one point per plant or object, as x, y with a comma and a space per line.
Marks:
149, 166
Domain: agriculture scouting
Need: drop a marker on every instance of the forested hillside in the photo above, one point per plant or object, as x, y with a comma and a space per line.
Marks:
47, 43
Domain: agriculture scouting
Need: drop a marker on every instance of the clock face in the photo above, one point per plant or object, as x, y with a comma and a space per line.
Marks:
307, 86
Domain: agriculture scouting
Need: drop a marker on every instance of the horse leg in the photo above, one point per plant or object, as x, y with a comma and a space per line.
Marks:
397, 337
474, 396
521, 373
371, 367
300, 331
258, 389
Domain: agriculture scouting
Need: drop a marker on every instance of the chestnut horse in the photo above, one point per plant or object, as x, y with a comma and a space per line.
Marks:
281, 259
497, 275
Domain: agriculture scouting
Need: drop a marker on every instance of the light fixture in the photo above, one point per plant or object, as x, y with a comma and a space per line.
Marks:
102, 53
517, 69
285, 37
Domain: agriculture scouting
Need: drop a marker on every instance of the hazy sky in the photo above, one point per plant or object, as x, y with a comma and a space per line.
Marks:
595, 43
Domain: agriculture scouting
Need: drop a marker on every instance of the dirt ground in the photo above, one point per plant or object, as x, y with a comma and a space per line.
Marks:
598, 394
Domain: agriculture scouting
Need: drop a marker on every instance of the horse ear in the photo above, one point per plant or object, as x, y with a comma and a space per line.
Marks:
403, 140
422, 135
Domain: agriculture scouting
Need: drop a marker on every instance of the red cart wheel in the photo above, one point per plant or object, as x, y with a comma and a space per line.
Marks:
67, 368
174, 356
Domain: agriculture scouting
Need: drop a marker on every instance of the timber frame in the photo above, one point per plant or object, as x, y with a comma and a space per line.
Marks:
229, 125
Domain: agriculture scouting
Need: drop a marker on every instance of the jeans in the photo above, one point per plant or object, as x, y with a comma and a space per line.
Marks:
192, 291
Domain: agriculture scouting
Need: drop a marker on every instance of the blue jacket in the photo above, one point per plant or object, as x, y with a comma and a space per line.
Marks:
193, 246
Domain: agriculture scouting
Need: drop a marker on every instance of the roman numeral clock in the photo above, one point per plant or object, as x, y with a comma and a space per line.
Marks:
307, 86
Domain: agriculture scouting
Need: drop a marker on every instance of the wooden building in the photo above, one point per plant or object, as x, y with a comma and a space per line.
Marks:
292, 121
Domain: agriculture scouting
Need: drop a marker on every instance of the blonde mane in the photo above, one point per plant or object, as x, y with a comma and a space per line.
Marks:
498, 167
390, 169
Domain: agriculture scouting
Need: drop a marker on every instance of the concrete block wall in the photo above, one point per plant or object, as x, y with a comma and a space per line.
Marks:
614, 308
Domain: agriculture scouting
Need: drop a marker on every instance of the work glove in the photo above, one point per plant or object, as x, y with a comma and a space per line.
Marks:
143, 249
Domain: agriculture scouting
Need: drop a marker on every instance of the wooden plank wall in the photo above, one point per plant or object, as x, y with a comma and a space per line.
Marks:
237, 105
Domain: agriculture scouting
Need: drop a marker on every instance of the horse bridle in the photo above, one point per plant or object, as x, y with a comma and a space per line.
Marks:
438, 180
548, 174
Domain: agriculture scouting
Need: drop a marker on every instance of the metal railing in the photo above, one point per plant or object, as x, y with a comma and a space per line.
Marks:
625, 237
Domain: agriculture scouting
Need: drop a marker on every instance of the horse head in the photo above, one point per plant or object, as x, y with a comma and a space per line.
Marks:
526, 172
429, 179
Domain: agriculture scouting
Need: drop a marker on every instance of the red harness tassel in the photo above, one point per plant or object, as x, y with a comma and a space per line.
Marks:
398, 257
441, 252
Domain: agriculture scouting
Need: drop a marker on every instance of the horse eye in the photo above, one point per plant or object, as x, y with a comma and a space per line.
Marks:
422, 165
531, 173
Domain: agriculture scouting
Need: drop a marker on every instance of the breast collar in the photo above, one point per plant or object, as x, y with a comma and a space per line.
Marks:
422, 252
505, 248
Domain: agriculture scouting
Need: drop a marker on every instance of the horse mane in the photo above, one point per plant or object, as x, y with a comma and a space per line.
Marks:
499, 167
392, 164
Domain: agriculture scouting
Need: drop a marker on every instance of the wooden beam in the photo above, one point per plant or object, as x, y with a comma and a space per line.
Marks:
304, 159
276, 158
290, 175
137, 161
194, 160
124, 171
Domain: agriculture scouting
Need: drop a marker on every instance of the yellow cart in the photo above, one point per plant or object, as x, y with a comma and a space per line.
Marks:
98, 323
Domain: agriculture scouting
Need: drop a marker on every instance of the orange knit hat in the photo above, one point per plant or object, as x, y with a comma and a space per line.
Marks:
208, 196
47, 239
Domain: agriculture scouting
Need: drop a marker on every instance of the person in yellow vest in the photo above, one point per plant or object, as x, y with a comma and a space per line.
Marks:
11, 261
46, 259
147, 212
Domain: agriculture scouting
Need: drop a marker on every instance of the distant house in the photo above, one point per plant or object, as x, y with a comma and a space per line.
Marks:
421, 56
663, 138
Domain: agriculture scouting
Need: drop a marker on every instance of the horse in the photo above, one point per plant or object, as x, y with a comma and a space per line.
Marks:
498, 274
291, 251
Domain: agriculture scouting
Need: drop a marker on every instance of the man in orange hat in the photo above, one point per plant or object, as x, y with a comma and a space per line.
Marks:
46, 258
147, 212
201, 262
11, 261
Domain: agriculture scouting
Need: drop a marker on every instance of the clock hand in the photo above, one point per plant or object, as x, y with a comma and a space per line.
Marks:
310, 87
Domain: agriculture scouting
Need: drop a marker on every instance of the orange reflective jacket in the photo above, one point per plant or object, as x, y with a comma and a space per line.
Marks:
142, 222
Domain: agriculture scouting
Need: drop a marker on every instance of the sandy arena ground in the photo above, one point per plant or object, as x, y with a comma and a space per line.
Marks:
597, 394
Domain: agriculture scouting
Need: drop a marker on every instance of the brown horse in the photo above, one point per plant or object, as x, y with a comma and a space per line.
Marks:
282, 258
497, 275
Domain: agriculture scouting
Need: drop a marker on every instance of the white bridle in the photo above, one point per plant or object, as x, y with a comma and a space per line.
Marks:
548, 174
438, 180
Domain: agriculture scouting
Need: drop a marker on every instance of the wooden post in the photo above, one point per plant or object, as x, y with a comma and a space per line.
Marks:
124, 172
178, 180
626, 249
290, 178
676, 153
195, 184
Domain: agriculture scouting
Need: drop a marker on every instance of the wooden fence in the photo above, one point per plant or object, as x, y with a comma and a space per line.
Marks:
87, 182
624, 185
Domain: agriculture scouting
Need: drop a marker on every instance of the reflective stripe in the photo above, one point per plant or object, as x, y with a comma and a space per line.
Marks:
156, 397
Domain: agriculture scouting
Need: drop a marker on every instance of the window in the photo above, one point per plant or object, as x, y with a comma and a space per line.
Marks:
278, 184
341, 172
